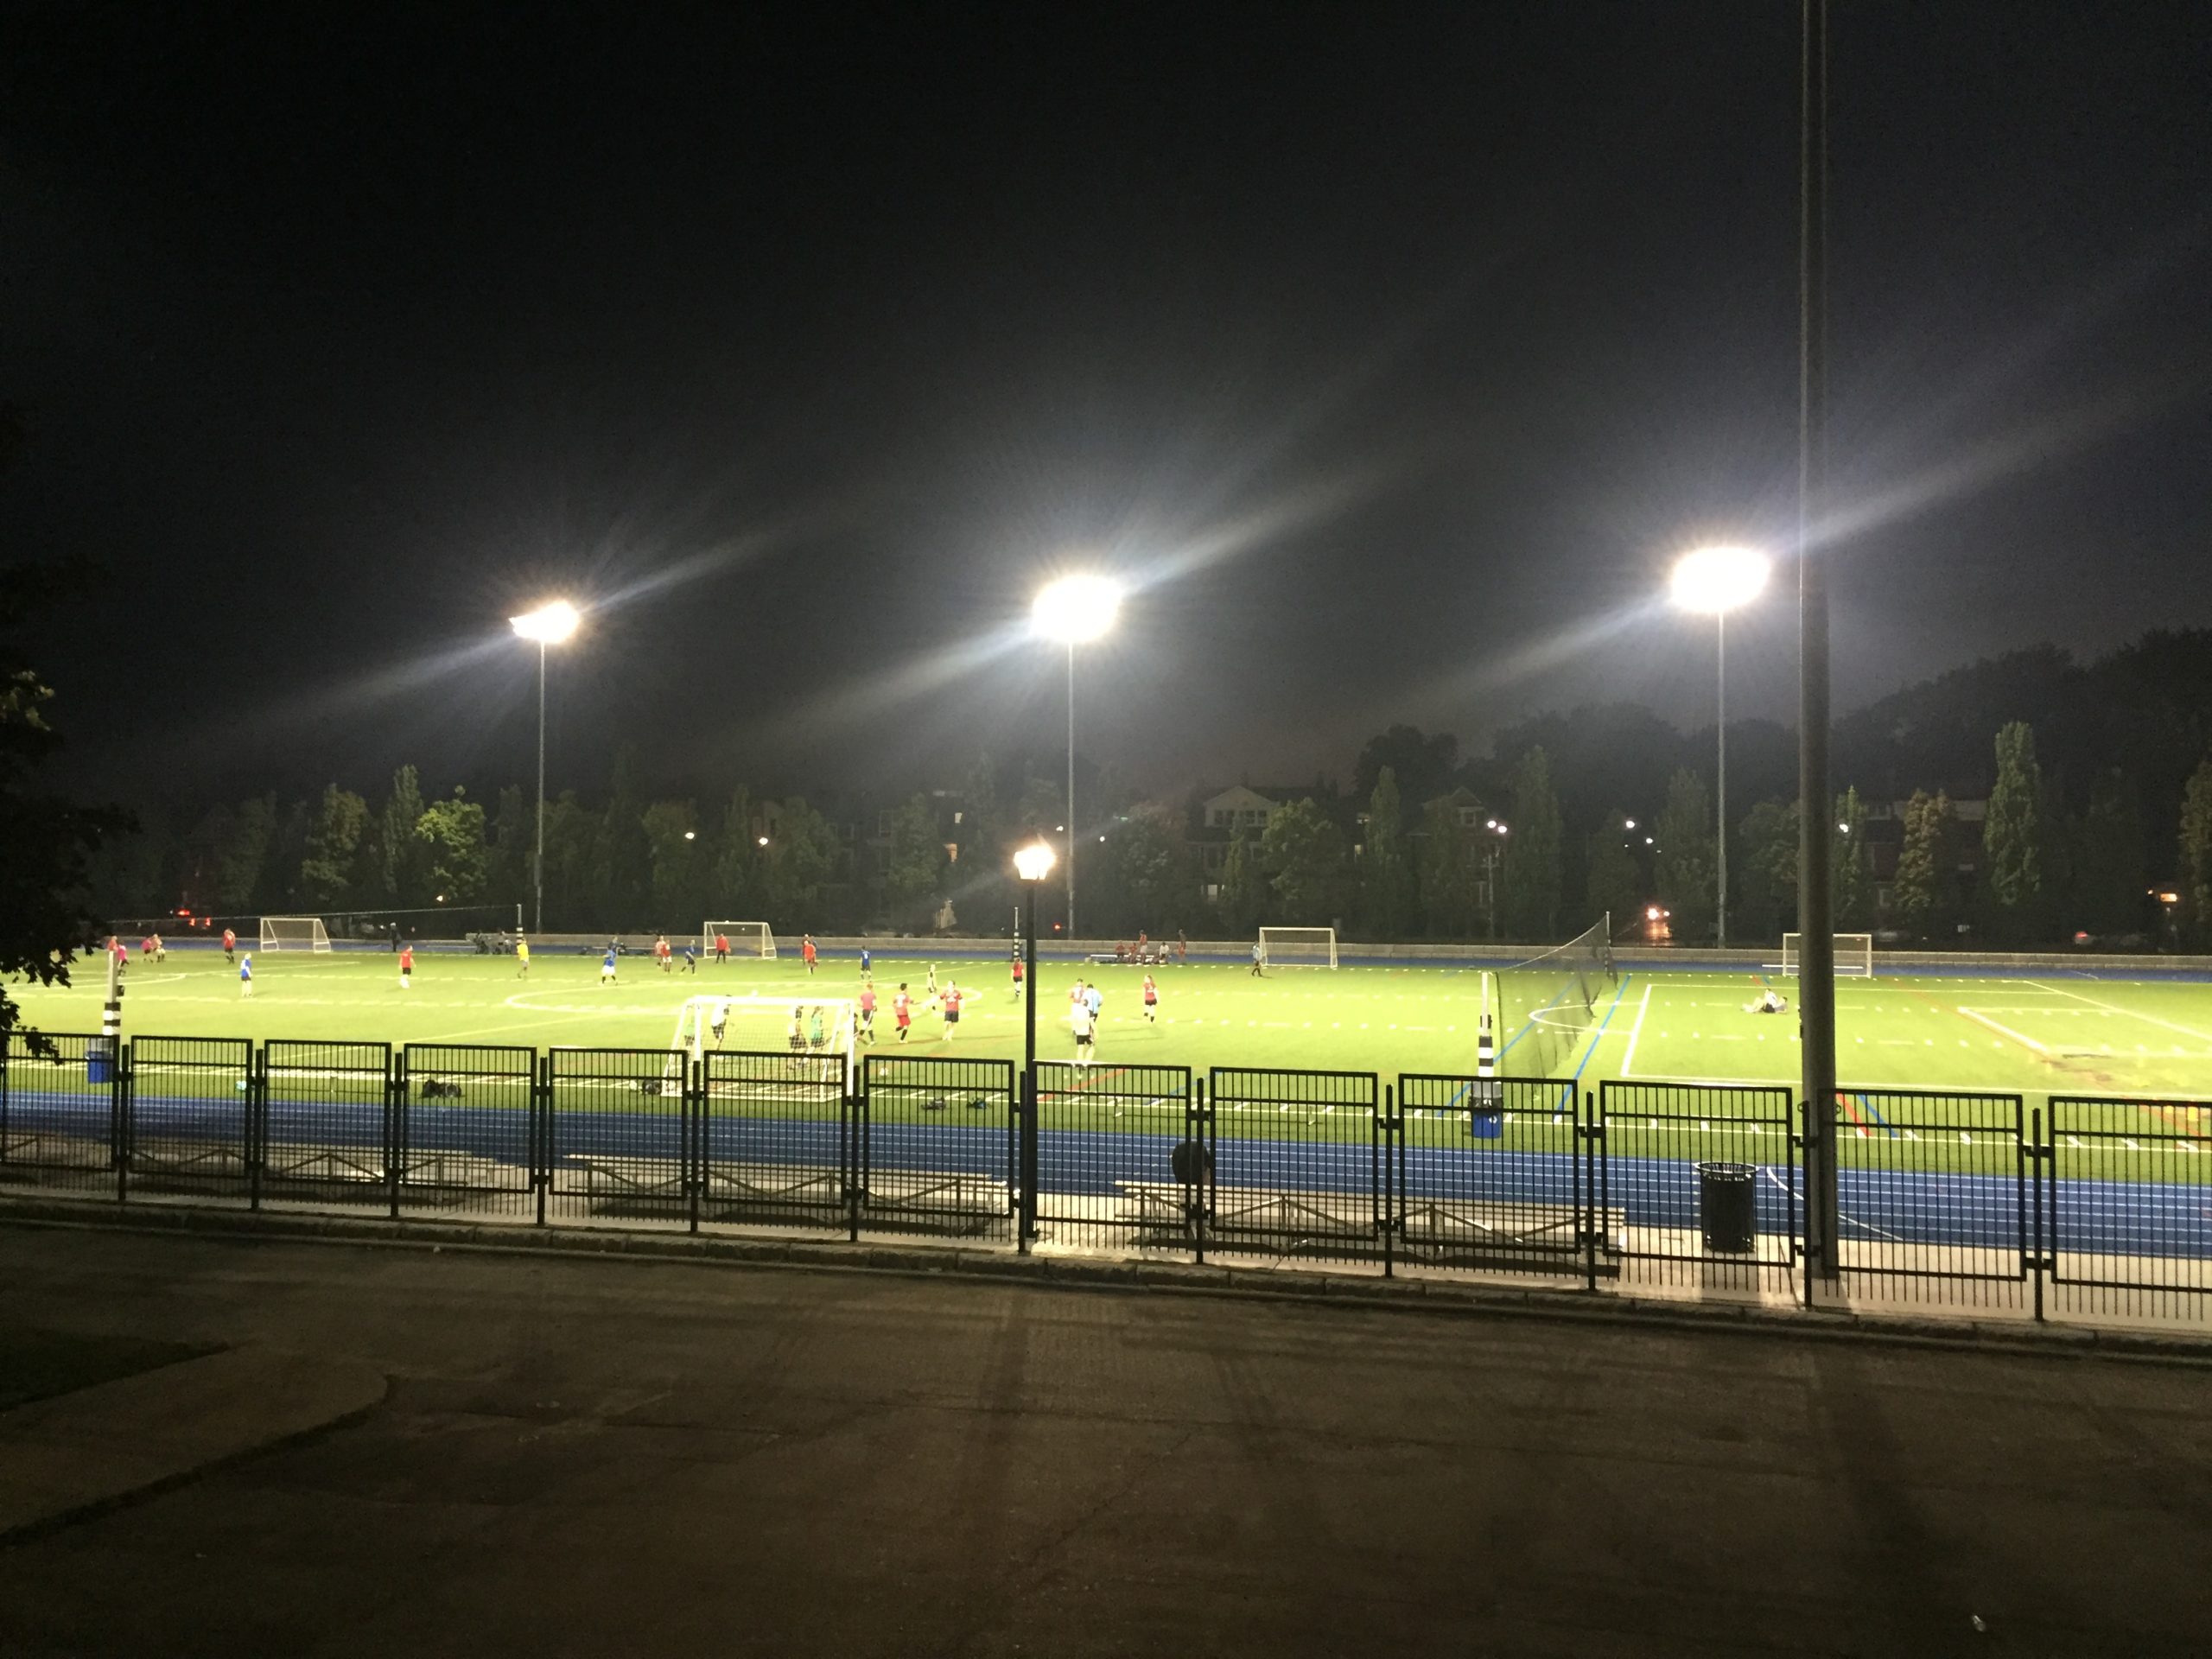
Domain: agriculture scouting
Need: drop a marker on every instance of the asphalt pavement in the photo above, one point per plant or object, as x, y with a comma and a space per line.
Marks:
589, 1455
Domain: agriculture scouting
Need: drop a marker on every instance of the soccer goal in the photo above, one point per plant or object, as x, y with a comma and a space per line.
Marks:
293, 933
814, 1034
1854, 955
746, 939
1297, 947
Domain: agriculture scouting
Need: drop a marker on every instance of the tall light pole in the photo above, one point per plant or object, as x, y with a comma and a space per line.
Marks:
1033, 864
1489, 871
1074, 611
1716, 580
549, 625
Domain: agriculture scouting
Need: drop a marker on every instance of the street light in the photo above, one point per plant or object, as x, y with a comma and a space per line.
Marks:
549, 625
1033, 864
1490, 871
1715, 581
1074, 610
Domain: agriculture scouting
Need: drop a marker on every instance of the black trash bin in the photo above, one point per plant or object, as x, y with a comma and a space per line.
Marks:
1727, 1207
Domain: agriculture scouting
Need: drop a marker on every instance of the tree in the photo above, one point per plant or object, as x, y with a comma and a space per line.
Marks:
1387, 892
1683, 859
1451, 874
571, 837
510, 848
46, 842
735, 888
1303, 854
334, 845
1422, 763
678, 862
622, 858
1151, 868
1243, 889
1851, 871
243, 851
802, 862
1921, 892
914, 867
1533, 858
1613, 885
2104, 889
1766, 898
452, 833
2012, 841
405, 864
2197, 850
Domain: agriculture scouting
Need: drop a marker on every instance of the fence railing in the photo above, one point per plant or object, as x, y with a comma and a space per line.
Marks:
2091, 1208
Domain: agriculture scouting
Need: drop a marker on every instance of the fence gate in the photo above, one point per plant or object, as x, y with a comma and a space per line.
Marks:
61, 1110
1674, 1159
935, 1147
1487, 1174
1120, 1157
191, 1116
2128, 1211
775, 1141
618, 1134
1294, 1165
327, 1122
466, 1135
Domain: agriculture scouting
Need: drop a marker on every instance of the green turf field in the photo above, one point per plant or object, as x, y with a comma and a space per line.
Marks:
2035, 1036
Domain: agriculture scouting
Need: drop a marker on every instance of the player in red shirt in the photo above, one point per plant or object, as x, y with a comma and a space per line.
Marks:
146, 946
660, 949
867, 1011
722, 947
406, 965
806, 949
1018, 971
1151, 1002
902, 1011
230, 945
950, 1003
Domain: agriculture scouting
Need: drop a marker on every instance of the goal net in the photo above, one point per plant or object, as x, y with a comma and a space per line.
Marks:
746, 939
1854, 955
293, 933
1547, 1004
1297, 947
815, 1034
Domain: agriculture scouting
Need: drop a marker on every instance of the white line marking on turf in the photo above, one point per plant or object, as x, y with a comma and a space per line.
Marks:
2186, 1031
1628, 1060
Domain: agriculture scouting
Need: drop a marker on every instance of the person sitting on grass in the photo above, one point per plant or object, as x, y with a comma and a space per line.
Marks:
1769, 1001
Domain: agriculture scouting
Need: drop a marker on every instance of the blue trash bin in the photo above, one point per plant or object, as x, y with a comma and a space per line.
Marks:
99, 1061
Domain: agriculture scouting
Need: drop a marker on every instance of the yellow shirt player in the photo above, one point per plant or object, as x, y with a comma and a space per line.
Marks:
522, 958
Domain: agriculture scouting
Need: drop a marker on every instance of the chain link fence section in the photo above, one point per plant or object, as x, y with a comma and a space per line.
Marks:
61, 1100
936, 1148
776, 1141
327, 1124
466, 1135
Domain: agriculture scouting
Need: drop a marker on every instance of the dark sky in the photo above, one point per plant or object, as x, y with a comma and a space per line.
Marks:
1392, 349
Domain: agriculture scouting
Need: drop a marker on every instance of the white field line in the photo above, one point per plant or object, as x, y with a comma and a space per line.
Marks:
2003, 1031
1628, 1060
2151, 1018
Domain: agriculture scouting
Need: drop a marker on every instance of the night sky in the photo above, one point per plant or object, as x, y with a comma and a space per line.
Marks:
1393, 349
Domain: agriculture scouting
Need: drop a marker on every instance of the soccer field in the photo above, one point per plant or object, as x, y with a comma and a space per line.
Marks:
2034, 1036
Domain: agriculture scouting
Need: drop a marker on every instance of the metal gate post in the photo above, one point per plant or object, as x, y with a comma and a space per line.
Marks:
1381, 1127
2036, 1152
395, 1125
855, 1156
692, 1137
1198, 1196
257, 1121
1810, 1149
121, 1133
1025, 1110
1587, 1130
541, 1110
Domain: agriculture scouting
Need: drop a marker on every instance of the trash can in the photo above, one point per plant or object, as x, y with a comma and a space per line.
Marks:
99, 1061
1727, 1209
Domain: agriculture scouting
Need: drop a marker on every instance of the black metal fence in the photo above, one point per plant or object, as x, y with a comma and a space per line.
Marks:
2092, 1207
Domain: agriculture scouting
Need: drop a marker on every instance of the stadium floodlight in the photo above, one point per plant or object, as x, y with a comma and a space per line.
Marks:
549, 625
1074, 610
1712, 582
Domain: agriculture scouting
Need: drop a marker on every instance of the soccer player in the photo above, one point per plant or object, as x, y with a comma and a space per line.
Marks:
806, 950
406, 966
952, 1008
797, 1036
146, 947
867, 1014
1092, 1000
722, 947
1151, 1002
1018, 971
1080, 1018
161, 949
522, 958
868, 963
245, 976
607, 967
230, 945
902, 1011
718, 1017
1182, 947
661, 950
931, 992
1256, 959
817, 1038
690, 959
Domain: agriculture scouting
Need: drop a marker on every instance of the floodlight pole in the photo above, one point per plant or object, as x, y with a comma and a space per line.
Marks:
539, 870
1816, 809
1720, 783
1071, 793
1027, 1222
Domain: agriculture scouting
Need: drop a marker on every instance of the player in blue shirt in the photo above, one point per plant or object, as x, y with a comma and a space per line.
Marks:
607, 967
245, 976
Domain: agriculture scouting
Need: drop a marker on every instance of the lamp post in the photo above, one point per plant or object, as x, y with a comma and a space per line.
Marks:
1498, 831
1074, 611
549, 625
1033, 864
1715, 581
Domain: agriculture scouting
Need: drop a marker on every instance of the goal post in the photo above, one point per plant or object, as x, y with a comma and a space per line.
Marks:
1854, 955
746, 939
1297, 947
293, 933
817, 1033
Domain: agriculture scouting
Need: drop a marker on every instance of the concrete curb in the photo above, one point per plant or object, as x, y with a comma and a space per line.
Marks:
77, 1455
1101, 1274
